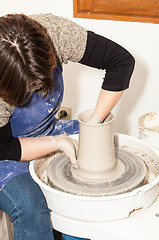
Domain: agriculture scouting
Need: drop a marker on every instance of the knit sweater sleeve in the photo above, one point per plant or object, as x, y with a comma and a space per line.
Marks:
68, 38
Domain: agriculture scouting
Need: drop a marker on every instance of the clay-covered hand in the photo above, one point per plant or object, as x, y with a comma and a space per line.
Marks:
68, 146
95, 119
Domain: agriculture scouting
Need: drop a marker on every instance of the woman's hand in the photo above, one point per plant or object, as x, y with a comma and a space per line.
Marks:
95, 119
68, 146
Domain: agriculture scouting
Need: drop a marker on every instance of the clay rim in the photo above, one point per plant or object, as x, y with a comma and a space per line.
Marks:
96, 124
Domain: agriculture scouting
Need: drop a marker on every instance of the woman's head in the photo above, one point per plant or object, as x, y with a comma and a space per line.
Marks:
26, 57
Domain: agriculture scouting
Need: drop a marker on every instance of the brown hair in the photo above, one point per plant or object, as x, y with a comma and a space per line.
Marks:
26, 55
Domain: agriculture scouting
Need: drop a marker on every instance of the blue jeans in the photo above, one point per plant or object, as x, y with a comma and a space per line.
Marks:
22, 199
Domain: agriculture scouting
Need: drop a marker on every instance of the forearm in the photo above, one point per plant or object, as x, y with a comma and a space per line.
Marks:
35, 147
105, 54
106, 102
29, 148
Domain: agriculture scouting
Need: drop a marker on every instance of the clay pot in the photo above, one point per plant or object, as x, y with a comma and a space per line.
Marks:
96, 155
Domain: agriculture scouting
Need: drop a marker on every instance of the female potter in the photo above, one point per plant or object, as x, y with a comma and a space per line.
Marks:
32, 52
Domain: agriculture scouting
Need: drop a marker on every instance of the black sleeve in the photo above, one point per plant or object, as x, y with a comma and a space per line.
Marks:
103, 53
10, 147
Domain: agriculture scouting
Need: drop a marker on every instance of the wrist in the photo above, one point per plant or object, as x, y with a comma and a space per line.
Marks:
55, 142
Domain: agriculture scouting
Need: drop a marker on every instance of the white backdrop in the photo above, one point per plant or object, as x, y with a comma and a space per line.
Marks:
141, 39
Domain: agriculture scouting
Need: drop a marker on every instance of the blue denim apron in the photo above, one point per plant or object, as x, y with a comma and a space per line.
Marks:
37, 118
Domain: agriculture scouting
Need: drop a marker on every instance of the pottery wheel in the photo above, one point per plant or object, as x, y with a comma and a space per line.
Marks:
134, 175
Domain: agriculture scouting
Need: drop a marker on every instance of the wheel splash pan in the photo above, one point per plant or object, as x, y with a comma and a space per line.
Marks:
102, 208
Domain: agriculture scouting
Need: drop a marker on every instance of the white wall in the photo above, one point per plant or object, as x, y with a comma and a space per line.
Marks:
141, 39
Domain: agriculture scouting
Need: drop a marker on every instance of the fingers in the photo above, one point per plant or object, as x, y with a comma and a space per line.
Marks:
95, 119
71, 151
69, 146
75, 144
74, 161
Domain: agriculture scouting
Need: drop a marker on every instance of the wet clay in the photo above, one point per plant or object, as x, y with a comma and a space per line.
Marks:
102, 170
96, 156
